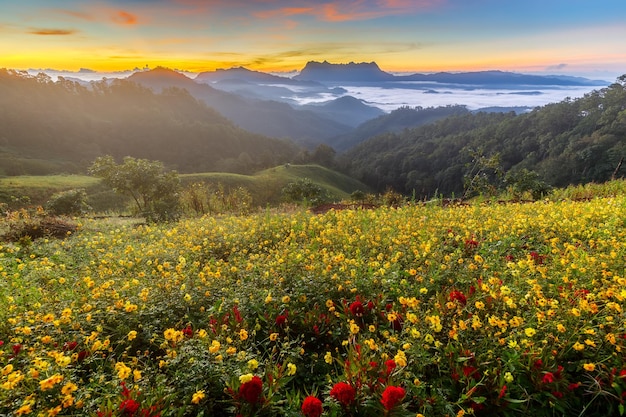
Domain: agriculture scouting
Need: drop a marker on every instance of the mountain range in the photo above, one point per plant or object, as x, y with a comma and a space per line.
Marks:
371, 73
312, 107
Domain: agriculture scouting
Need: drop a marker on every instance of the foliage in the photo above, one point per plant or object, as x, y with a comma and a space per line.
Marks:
119, 118
571, 142
483, 175
304, 190
154, 190
491, 309
70, 202
525, 181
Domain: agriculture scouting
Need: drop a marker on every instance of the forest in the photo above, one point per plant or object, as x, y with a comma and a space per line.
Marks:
571, 142
62, 126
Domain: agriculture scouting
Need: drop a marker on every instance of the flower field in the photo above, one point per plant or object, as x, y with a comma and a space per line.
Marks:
481, 309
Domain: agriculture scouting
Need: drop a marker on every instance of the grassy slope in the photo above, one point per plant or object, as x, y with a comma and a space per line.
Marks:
265, 186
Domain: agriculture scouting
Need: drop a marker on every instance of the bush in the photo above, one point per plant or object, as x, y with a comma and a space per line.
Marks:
68, 203
304, 190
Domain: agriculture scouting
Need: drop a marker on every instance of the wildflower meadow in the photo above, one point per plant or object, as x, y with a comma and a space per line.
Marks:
422, 310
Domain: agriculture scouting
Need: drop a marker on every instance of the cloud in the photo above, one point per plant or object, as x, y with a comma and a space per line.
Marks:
124, 18
556, 67
52, 32
79, 15
343, 11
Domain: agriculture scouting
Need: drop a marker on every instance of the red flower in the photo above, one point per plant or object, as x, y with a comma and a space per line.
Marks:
471, 371
16, 349
548, 377
343, 392
573, 386
188, 331
281, 320
312, 407
502, 392
129, 407
357, 309
392, 396
251, 390
391, 365
70, 345
458, 296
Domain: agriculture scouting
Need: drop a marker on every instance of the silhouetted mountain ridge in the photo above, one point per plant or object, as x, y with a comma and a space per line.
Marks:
370, 72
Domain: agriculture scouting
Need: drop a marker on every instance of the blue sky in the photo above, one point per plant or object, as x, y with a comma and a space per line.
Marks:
550, 36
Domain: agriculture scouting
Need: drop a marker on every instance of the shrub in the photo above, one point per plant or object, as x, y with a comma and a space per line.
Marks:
68, 203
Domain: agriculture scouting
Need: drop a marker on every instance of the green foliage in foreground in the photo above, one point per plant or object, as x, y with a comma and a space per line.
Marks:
503, 309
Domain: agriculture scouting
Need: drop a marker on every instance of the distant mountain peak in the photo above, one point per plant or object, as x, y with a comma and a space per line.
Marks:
350, 72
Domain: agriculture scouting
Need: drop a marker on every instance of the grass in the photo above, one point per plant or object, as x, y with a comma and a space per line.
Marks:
265, 186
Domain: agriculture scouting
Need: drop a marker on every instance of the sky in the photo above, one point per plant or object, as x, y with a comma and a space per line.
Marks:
572, 37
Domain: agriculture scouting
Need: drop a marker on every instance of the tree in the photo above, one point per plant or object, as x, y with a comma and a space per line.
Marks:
154, 190
305, 190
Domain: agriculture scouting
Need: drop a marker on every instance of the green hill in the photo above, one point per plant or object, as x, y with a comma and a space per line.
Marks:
265, 186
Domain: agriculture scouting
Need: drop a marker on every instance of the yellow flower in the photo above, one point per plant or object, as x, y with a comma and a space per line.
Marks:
123, 371
136, 375
54, 411
253, 364
328, 358
215, 346
7, 369
291, 369
530, 332
590, 342
508, 377
48, 383
25, 409
578, 346
286, 299
243, 334
479, 305
273, 337
400, 358
197, 397
132, 335
68, 388
245, 378
590, 367
354, 328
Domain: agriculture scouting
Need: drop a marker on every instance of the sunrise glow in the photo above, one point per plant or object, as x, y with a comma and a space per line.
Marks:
278, 35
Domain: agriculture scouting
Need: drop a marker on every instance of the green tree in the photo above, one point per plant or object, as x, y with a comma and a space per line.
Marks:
154, 190
305, 190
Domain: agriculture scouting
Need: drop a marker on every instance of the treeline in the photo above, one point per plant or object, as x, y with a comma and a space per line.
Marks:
571, 142
71, 123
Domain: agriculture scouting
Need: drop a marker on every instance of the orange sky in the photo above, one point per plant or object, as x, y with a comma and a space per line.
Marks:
556, 36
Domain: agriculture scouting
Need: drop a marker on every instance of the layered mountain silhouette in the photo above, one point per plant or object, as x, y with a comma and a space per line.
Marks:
267, 117
371, 73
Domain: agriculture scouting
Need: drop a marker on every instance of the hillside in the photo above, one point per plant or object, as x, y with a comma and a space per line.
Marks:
571, 142
266, 117
264, 186
396, 121
56, 127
